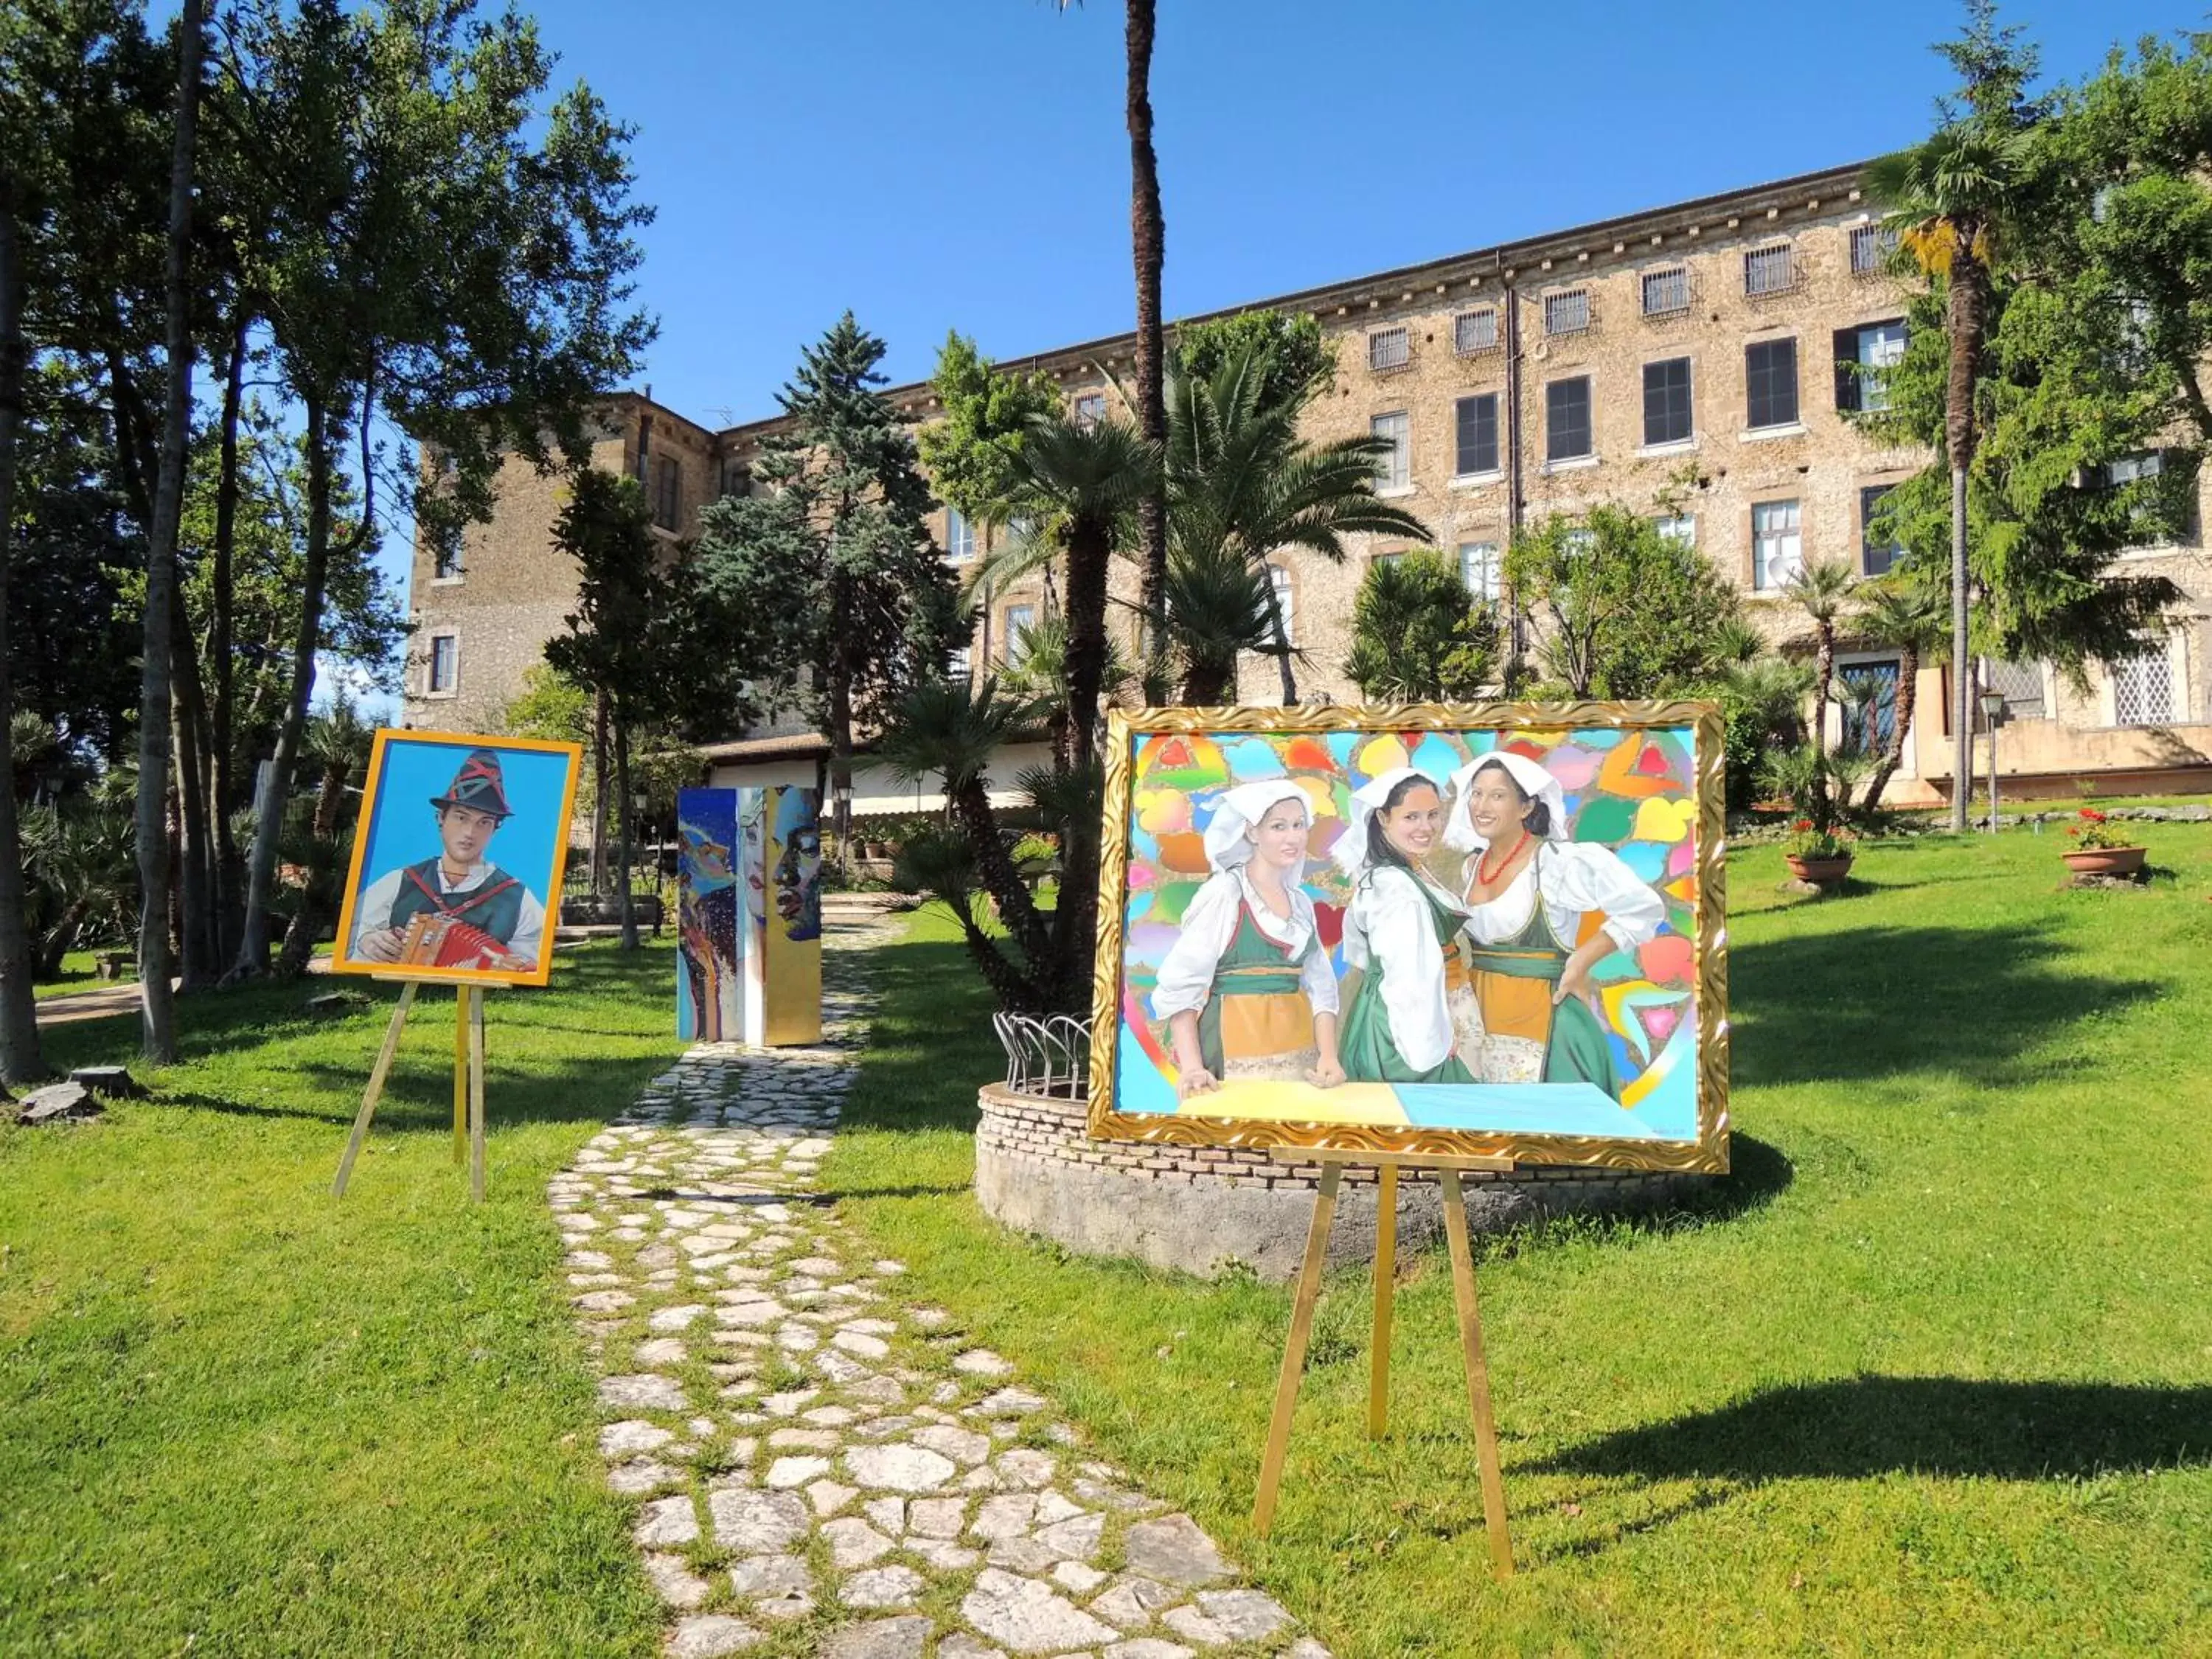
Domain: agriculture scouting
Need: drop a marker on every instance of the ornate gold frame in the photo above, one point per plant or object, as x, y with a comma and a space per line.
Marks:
1708, 1154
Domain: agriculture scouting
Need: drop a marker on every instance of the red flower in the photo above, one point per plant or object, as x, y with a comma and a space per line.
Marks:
2093, 815
2073, 831
1803, 825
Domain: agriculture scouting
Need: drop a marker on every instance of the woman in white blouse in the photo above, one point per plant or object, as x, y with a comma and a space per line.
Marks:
1246, 991
1401, 930
1530, 1013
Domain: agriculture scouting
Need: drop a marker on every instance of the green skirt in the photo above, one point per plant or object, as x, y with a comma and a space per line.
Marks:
1364, 1047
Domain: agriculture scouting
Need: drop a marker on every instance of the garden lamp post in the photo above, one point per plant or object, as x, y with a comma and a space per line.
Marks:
1993, 708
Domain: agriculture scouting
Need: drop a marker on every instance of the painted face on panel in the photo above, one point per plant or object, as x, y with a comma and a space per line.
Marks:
465, 833
1496, 806
1415, 822
1279, 841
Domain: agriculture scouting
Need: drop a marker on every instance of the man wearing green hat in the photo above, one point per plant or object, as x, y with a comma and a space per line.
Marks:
460, 887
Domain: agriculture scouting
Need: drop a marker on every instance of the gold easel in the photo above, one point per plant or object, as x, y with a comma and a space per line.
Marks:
468, 1084
1448, 1169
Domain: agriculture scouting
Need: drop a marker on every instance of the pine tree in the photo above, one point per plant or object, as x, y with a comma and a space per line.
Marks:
831, 591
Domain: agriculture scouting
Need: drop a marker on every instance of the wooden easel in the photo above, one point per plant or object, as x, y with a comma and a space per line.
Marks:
1448, 1169
468, 1084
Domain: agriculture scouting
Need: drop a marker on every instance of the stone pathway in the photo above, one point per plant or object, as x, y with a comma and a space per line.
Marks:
823, 1467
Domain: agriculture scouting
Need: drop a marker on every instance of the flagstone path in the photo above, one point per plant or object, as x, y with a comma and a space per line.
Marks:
825, 1467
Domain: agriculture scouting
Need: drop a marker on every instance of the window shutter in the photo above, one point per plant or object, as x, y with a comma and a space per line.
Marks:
1847, 362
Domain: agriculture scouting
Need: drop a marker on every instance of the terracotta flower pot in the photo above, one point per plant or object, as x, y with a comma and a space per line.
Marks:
1820, 871
2106, 860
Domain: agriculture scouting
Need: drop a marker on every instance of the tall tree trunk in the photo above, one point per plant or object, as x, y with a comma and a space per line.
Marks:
1900, 722
299, 947
599, 793
622, 817
840, 688
158, 1021
1147, 244
1089, 557
202, 965
222, 588
1964, 322
20, 1060
269, 822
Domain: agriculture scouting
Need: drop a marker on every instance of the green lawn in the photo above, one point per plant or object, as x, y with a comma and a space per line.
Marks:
79, 973
243, 1418
1935, 1376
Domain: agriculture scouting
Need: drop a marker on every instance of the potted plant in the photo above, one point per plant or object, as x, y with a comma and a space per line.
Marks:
1821, 856
2098, 849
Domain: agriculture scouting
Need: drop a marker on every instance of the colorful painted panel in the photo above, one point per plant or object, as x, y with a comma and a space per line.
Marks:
709, 892
1484, 930
779, 832
456, 864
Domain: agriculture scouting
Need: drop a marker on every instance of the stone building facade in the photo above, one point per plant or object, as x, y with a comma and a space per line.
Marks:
1683, 363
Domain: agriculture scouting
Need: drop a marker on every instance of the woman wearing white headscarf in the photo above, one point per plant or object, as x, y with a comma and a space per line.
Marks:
1246, 990
1401, 930
1531, 1015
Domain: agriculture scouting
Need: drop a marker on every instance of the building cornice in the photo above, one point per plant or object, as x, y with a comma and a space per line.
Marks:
1552, 256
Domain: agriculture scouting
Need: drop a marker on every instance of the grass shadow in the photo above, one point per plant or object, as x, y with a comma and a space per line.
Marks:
1861, 1427
1886, 1002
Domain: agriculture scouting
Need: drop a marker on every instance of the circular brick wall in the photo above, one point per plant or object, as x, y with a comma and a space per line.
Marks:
1204, 1209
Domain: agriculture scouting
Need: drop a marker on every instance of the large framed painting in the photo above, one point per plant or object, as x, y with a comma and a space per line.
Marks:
1494, 929
458, 860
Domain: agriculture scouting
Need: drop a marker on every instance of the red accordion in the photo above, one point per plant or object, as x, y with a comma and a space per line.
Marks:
434, 941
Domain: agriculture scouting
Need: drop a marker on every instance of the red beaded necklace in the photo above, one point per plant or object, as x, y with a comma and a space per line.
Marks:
1484, 875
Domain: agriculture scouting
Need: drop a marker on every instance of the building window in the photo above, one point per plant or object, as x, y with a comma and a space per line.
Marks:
1477, 426
1286, 601
2142, 686
1389, 348
1567, 419
1666, 292
1868, 696
1020, 618
1089, 410
1871, 247
1862, 354
2133, 469
1393, 468
959, 536
1667, 403
1769, 271
1769, 374
1879, 552
736, 479
1680, 528
1475, 331
1396, 555
1568, 313
2020, 685
445, 664
1777, 544
957, 663
1578, 541
1478, 568
667, 492
445, 561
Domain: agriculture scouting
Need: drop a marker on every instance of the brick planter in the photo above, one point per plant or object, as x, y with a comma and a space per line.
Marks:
1203, 1210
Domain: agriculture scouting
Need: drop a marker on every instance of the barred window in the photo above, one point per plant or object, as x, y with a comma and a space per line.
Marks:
1389, 348
1475, 331
2142, 686
1666, 291
957, 663
2020, 685
1286, 601
1568, 313
1393, 470
1476, 420
445, 561
1090, 409
667, 492
1680, 528
1567, 419
1769, 271
1871, 247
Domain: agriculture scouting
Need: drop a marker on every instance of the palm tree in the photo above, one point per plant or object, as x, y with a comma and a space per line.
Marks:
1036, 673
1952, 201
1219, 606
1240, 479
1082, 483
1906, 617
1822, 590
1418, 636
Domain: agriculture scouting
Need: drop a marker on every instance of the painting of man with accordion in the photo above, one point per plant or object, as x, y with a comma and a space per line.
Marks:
436, 901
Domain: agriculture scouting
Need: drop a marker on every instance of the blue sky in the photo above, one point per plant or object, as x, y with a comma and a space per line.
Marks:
937, 164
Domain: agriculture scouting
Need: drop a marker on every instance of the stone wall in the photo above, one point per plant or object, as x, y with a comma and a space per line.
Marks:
1204, 1209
